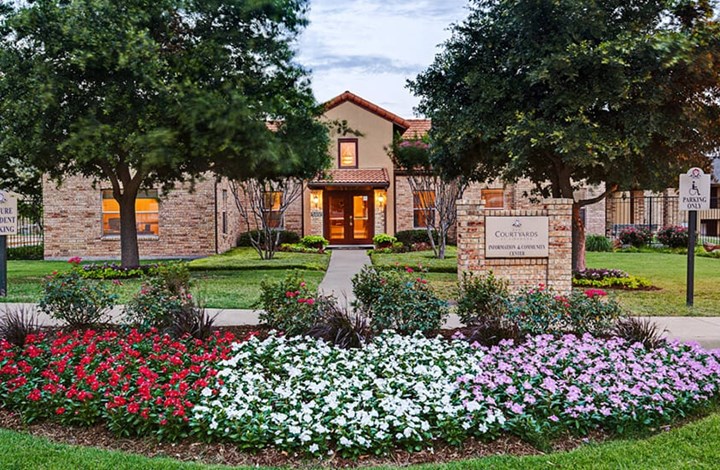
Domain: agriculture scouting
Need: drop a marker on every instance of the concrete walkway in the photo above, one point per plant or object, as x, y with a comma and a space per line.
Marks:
702, 330
344, 264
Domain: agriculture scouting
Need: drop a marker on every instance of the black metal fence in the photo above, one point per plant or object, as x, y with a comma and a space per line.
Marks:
29, 233
656, 212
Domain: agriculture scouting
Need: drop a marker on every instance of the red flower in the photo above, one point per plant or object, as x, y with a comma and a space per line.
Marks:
409, 269
75, 260
592, 293
60, 411
34, 395
310, 301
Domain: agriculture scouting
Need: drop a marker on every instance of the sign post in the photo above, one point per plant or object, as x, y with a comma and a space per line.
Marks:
694, 196
8, 226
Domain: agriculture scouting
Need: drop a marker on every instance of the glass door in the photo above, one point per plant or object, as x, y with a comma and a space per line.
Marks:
349, 217
361, 218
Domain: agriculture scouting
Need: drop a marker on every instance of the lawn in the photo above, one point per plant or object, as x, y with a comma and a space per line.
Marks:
230, 280
415, 259
666, 271
696, 445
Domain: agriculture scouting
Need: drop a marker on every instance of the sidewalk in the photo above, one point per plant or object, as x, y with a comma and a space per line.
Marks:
702, 330
344, 264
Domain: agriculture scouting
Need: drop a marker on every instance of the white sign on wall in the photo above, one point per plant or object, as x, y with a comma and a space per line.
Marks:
8, 214
516, 237
694, 190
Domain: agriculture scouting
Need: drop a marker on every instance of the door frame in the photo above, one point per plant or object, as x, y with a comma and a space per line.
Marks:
348, 194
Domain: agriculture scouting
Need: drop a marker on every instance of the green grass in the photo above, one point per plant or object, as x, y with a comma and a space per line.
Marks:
229, 280
666, 271
246, 258
696, 445
426, 259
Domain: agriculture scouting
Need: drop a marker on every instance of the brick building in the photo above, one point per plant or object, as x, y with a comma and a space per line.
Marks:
363, 196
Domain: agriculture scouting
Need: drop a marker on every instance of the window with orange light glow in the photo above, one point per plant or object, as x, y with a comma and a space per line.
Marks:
494, 198
271, 208
347, 153
147, 208
423, 208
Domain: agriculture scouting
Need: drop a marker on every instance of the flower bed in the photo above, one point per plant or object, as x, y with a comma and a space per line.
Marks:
302, 395
609, 279
135, 383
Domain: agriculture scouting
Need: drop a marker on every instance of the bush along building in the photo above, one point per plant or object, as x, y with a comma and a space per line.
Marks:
362, 194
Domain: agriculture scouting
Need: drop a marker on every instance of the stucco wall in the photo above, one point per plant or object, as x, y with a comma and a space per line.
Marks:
372, 145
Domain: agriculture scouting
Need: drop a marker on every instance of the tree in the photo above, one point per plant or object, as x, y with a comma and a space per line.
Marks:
143, 94
564, 92
26, 181
436, 193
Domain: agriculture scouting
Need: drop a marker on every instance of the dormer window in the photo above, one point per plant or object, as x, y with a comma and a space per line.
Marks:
347, 153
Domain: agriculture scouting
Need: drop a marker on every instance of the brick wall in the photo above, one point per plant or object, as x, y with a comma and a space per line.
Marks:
554, 271
73, 222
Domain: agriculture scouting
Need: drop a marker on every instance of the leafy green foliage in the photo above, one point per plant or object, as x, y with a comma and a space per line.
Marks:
627, 283
615, 92
164, 302
286, 236
77, 301
143, 94
541, 311
314, 241
289, 305
635, 235
412, 237
34, 252
113, 271
673, 236
383, 240
398, 300
299, 248
481, 298
598, 243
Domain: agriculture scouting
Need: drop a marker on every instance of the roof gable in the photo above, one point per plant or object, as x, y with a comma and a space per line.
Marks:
368, 106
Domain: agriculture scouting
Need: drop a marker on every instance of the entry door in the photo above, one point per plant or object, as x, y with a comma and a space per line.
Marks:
349, 217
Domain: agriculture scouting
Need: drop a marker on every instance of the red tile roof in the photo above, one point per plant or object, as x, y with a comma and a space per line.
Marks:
418, 128
376, 177
365, 104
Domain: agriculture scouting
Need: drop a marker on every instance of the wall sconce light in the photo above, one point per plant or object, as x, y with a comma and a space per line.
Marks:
381, 200
315, 200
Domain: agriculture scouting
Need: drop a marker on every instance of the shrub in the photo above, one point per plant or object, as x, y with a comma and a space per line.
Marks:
674, 236
482, 298
383, 240
17, 323
410, 237
626, 283
493, 330
298, 248
289, 305
79, 302
542, 311
113, 271
397, 300
286, 236
599, 274
598, 243
162, 297
635, 235
314, 241
640, 330
30, 252
193, 321
339, 327
396, 247
590, 313
155, 305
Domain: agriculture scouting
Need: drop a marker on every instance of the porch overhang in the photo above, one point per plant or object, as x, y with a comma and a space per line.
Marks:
376, 178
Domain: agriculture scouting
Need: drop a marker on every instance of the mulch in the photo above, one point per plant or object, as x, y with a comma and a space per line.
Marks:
228, 454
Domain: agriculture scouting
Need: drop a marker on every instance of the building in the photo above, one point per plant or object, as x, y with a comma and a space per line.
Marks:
362, 195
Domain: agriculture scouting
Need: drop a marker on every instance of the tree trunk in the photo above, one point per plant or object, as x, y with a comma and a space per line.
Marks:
578, 239
129, 253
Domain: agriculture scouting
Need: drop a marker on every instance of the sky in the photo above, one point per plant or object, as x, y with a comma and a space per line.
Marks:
372, 47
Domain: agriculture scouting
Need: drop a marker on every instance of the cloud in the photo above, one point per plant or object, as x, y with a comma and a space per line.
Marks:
372, 47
